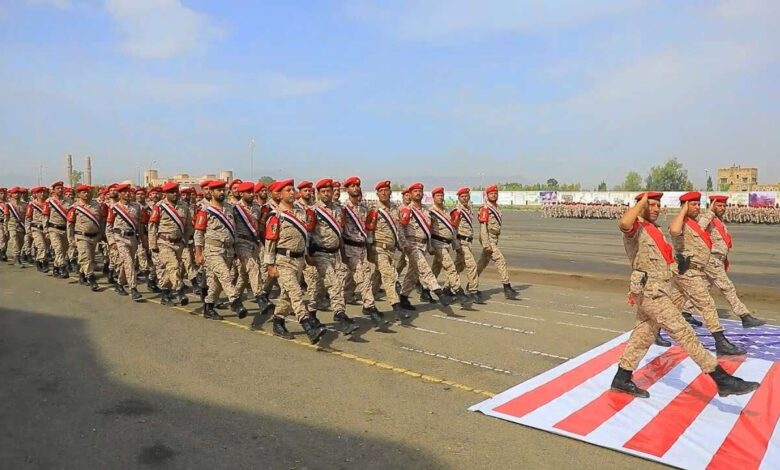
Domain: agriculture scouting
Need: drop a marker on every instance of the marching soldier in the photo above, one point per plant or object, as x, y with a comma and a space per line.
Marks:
286, 240
142, 257
85, 225
14, 224
490, 220
693, 246
650, 256
28, 239
215, 238
444, 236
417, 231
35, 220
355, 237
3, 230
170, 226
314, 284
125, 226
57, 224
188, 261
400, 263
464, 258
248, 241
325, 246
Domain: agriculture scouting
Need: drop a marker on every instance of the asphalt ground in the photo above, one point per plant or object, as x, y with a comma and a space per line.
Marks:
93, 380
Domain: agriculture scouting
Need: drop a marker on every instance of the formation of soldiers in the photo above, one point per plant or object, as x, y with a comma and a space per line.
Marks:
752, 215
576, 210
300, 245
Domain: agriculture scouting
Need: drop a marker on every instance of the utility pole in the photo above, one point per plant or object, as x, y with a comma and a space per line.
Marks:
252, 159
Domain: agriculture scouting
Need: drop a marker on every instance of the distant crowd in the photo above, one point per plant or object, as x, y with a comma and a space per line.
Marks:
735, 213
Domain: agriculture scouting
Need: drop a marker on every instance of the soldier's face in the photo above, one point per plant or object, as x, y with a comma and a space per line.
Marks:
326, 195
140, 198
218, 194
492, 196
384, 194
336, 194
263, 194
307, 194
235, 193
416, 195
719, 208
464, 198
438, 198
207, 194
124, 196
652, 211
173, 198
288, 195
407, 198
354, 190
694, 208
57, 191
247, 196
84, 195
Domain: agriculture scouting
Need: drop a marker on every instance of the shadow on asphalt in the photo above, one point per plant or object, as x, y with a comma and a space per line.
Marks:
60, 408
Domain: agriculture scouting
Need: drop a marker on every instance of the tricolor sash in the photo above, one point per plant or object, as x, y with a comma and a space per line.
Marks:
58, 207
246, 218
223, 219
466, 215
495, 213
660, 241
37, 207
14, 212
444, 220
84, 210
391, 223
329, 219
174, 215
693, 225
722, 231
121, 212
420, 218
287, 216
358, 223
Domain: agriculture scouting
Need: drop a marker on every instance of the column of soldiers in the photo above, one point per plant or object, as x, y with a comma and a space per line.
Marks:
579, 210
741, 214
244, 236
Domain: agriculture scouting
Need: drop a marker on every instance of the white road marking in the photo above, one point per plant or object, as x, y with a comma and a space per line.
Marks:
489, 325
510, 304
423, 329
513, 315
539, 353
588, 327
460, 361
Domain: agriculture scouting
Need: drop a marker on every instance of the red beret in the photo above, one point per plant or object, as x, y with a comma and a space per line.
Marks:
305, 184
205, 184
170, 187
187, 190
437, 189
336, 184
352, 180
405, 191
122, 187
691, 196
414, 186
718, 198
215, 184
278, 185
83, 187
245, 187
23, 189
463, 190
37, 189
13, 190
650, 195
57, 183
382, 184
103, 192
493, 188
111, 187
235, 182
140, 189
67, 189
324, 183
259, 186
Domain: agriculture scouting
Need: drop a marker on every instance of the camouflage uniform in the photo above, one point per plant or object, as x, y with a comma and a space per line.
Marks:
443, 236
124, 228
215, 233
355, 252
464, 258
325, 249
387, 236
417, 229
85, 224
169, 229
35, 224
57, 224
490, 220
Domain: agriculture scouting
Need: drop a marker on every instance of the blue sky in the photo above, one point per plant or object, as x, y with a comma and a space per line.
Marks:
440, 90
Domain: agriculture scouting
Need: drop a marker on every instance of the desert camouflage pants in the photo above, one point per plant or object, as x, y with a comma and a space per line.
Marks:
291, 294
466, 264
40, 243
59, 243
126, 249
358, 275
27, 243
15, 242
188, 263
247, 266
694, 287
443, 261
656, 313
718, 277
86, 248
169, 263
217, 262
497, 257
418, 269
3, 239
332, 272
381, 259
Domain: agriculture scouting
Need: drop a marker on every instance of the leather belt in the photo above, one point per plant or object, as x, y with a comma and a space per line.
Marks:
441, 239
36, 225
316, 248
465, 238
289, 253
126, 233
85, 234
168, 238
58, 227
417, 239
350, 242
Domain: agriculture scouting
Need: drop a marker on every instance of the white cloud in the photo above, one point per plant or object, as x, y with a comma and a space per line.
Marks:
61, 4
158, 29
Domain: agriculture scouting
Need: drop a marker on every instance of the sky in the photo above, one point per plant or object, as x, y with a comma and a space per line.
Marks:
444, 91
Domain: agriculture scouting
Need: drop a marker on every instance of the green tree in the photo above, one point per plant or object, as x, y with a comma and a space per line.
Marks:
724, 186
671, 176
75, 177
266, 179
709, 183
552, 183
602, 186
633, 182
571, 187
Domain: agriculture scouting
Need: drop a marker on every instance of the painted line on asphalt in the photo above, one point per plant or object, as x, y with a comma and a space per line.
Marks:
460, 361
488, 325
425, 330
512, 315
540, 353
588, 327
508, 303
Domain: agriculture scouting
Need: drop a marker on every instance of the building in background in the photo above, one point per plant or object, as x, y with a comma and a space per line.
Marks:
736, 178
152, 178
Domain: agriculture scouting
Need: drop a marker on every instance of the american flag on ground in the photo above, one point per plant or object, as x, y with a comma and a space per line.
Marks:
684, 423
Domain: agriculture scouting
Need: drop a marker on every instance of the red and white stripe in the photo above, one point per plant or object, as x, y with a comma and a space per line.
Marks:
684, 423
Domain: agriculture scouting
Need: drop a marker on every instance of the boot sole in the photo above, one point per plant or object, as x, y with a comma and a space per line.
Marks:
284, 336
741, 392
735, 354
629, 393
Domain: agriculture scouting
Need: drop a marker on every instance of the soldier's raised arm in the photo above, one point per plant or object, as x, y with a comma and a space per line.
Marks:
630, 216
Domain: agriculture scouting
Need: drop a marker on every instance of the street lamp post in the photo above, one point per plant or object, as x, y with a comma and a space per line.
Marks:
707, 178
252, 159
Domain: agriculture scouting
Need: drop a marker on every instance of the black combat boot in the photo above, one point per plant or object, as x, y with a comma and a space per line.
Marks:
106, 267
321, 304
93, 285
257, 320
352, 299
183, 299
151, 284
135, 295
398, 310
465, 300
39, 266
165, 298
723, 347
119, 289
425, 296
623, 383
74, 265
45, 264
687, 316
262, 301
444, 297
510, 292
730, 385
222, 305
314, 320
64, 272
204, 291
405, 303
660, 341
55, 273
3, 257
397, 287
19, 261
377, 317
312, 331
238, 308
111, 278
195, 285
82, 279
749, 321
347, 325
479, 297
280, 330
209, 313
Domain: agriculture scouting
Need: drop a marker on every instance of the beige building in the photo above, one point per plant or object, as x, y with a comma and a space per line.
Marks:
766, 187
736, 178
152, 178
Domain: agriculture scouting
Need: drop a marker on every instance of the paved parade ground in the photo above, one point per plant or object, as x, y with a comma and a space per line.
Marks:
92, 380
